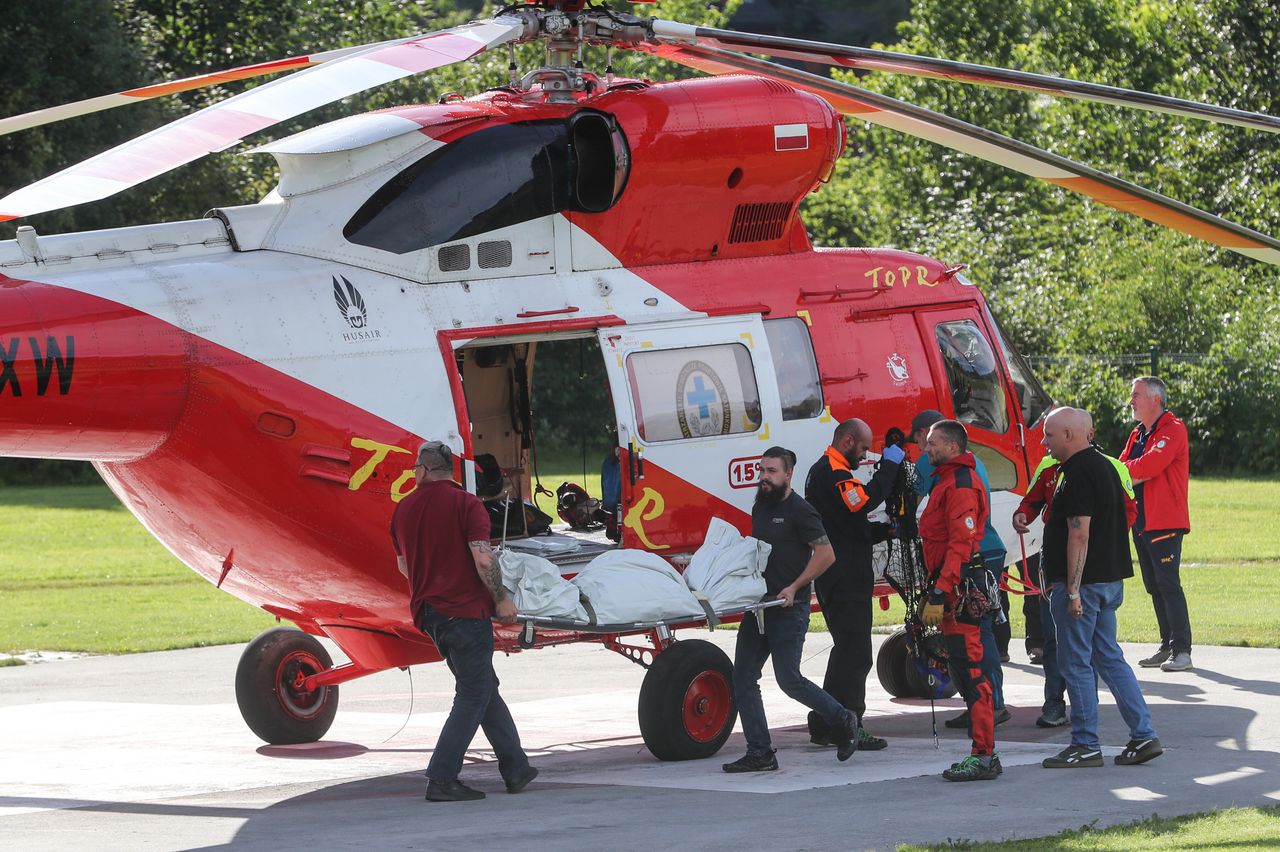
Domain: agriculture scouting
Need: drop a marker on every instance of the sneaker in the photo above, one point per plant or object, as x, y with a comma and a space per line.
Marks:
1181, 662
846, 738
975, 767
753, 762
961, 721
1139, 751
1073, 757
1156, 659
1052, 719
1036, 657
1004, 656
1003, 715
868, 742
451, 791
520, 782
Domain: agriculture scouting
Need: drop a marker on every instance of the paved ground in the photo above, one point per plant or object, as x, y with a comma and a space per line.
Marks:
149, 752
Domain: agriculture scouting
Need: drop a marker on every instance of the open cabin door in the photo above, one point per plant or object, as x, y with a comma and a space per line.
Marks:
696, 403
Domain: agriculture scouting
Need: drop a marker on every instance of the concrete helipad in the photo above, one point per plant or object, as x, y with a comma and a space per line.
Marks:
149, 752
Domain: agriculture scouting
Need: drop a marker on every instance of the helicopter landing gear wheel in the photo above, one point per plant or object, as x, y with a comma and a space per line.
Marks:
892, 663
269, 687
899, 675
686, 702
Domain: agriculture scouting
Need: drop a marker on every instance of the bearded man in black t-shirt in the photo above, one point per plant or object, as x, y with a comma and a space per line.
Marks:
800, 553
1086, 561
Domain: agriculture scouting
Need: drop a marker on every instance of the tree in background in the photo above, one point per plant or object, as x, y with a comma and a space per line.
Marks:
1067, 276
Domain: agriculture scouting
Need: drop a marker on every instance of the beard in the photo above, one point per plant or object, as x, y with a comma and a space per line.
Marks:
768, 495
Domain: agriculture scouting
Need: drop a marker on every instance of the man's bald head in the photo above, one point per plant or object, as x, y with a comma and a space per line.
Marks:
852, 439
1067, 432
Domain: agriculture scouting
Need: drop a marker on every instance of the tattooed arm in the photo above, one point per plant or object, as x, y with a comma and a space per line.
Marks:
1077, 553
491, 575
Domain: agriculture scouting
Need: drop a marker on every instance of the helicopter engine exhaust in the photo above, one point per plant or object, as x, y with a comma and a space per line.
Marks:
82, 377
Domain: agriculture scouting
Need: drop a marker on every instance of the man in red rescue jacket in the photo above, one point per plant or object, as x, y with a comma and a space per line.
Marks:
951, 530
1157, 455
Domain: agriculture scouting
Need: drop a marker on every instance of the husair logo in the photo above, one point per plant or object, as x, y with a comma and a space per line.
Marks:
350, 303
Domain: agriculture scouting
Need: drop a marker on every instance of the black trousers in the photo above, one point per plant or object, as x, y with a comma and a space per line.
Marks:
847, 609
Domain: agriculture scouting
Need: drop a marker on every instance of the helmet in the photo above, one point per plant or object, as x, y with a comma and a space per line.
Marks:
575, 507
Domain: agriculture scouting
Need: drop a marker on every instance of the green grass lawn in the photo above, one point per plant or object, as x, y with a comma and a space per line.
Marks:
1235, 829
78, 573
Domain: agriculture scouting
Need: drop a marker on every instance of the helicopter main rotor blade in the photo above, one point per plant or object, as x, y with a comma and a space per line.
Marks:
49, 115
991, 146
868, 59
218, 127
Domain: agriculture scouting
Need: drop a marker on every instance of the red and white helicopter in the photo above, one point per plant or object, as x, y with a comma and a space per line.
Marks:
253, 385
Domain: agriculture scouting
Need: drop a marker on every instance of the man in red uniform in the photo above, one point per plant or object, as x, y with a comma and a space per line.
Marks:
951, 530
1157, 458
441, 536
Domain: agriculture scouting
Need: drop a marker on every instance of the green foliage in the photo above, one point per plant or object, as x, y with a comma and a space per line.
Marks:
1070, 278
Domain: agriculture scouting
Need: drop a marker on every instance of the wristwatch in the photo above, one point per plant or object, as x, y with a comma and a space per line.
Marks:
1073, 596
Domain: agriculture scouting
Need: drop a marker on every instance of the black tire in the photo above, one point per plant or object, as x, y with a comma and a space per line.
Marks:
686, 705
892, 663
271, 705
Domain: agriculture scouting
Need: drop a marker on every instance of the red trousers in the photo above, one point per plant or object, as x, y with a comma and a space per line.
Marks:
964, 650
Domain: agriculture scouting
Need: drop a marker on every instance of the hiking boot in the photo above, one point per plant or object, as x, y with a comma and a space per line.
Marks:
753, 762
1157, 659
518, 783
846, 738
868, 742
1139, 751
961, 721
975, 767
1181, 662
1074, 757
451, 791
1052, 719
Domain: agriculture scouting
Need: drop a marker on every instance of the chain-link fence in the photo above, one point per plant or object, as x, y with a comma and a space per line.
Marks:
1228, 403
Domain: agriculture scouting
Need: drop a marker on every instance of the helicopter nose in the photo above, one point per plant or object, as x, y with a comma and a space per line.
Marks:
82, 377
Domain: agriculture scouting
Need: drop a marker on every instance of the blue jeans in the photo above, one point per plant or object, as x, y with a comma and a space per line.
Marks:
783, 637
467, 646
1054, 684
1087, 650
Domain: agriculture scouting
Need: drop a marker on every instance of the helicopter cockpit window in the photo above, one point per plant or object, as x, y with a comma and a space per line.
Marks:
798, 382
1032, 398
494, 178
976, 389
491, 179
698, 392
1002, 474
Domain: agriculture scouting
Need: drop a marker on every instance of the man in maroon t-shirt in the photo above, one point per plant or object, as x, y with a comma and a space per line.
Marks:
441, 536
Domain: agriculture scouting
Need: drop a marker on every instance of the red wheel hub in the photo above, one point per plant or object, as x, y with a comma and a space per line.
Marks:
291, 676
706, 706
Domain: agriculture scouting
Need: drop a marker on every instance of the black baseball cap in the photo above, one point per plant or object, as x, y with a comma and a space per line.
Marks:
925, 419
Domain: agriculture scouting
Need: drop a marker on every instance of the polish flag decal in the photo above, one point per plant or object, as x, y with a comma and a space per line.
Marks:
790, 137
